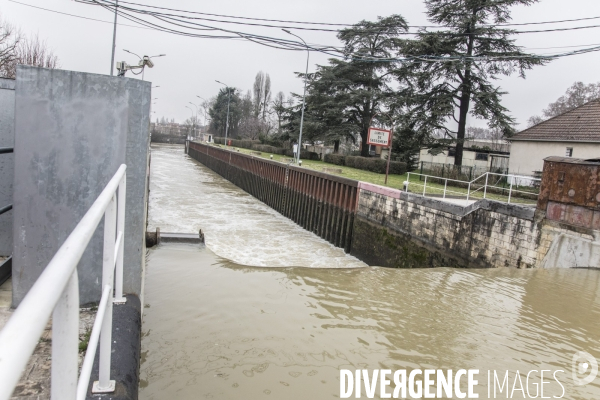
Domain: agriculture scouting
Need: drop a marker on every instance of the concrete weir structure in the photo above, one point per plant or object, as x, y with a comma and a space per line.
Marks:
391, 228
72, 132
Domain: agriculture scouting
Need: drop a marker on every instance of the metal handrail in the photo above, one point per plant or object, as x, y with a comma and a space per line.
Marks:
469, 184
56, 293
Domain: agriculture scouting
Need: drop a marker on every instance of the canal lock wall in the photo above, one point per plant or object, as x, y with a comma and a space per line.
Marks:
320, 203
392, 228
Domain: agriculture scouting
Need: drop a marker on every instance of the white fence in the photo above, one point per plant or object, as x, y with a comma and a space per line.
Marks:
56, 293
478, 187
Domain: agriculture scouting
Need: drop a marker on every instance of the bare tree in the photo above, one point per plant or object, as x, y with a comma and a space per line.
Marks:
9, 40
16, 49
266, 96
279, 108
261, 95
257, 92
577, 95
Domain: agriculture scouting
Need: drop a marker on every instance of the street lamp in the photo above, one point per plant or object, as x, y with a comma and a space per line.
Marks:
228, 100
193, 123
303, 96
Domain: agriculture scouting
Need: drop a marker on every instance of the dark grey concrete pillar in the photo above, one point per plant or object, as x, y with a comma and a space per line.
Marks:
72, 132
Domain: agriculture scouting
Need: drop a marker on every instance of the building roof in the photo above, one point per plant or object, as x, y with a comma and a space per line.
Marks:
581, 124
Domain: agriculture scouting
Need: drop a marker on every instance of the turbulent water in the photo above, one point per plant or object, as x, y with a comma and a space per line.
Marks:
186, 196
216, 328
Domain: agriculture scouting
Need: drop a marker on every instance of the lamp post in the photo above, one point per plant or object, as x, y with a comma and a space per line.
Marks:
203, 107
228, 100
193, 123
197, 112
303, 96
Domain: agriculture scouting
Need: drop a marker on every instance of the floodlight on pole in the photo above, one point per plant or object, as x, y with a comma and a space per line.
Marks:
228, 101
303, 96
144, 62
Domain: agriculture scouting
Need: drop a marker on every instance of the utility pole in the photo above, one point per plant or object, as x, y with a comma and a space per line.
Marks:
112, 58
303, 96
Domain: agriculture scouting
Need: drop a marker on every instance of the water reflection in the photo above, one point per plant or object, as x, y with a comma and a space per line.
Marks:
215, 329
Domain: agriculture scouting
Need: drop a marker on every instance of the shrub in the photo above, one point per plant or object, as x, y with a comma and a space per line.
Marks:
376, 165
243, 143
336, 159
397, 167
265, 148
304, 155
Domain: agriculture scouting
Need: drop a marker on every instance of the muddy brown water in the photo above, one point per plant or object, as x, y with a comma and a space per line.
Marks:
267, 310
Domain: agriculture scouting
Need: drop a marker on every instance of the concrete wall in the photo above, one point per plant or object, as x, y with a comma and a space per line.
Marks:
72, 132
7, 139
528, 157
399, 229
404, 230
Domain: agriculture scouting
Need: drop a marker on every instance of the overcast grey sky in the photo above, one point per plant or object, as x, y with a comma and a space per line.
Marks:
192, 64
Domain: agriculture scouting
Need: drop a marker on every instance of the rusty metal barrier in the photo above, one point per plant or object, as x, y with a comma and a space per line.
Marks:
321, 203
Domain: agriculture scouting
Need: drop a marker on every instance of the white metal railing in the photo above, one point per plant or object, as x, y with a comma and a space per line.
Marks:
56, 294
476, 185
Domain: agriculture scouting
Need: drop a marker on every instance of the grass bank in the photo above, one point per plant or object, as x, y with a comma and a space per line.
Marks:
394, 181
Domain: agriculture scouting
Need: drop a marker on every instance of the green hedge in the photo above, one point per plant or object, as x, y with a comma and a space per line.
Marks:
243, 143
377, 165
265, 148
336, 159
304, 155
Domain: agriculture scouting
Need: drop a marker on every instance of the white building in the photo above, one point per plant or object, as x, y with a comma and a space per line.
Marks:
575, 133
482, 153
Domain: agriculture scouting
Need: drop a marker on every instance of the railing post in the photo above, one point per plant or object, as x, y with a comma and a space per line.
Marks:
425, 186
65, 340
468, 191
119, 299
104, 384
512, 177
487, 174
445, 186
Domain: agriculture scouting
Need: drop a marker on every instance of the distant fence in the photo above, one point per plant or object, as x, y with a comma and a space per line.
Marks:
456, 172
321, 203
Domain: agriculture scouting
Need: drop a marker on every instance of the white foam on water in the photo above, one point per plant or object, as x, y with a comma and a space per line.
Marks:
186, 196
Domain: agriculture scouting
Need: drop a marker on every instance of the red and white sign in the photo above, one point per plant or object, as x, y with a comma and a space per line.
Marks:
379, 137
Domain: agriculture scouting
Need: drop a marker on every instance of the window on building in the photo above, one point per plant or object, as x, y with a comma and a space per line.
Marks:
481, 156
451, 151
569, 152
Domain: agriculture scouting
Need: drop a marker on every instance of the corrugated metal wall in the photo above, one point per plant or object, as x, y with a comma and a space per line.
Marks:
321, 203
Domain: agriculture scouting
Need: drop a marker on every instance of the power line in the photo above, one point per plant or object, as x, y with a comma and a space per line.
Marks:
335, 24
73, 15
286, 44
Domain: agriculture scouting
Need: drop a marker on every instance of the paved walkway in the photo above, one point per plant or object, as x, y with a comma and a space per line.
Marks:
35, 381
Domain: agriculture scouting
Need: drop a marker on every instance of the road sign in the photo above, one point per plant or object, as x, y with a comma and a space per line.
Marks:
379, 137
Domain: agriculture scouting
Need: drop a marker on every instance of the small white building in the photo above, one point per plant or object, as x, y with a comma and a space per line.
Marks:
482, 153
575, 133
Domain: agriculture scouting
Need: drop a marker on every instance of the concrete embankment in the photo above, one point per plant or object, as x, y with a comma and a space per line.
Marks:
391, 228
